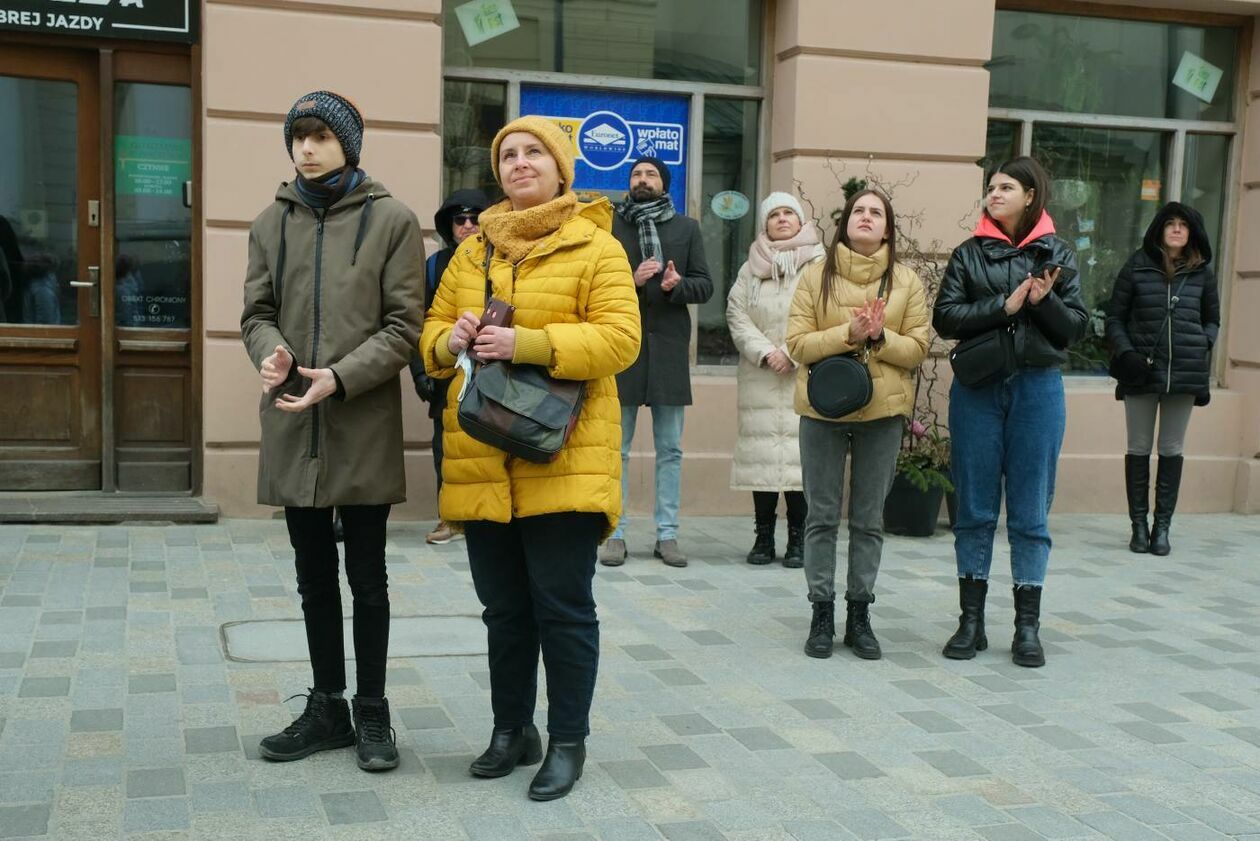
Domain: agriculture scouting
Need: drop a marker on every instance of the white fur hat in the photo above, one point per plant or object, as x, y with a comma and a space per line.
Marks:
772, 203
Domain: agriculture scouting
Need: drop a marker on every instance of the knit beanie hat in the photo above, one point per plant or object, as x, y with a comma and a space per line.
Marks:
660, 167
551, 135
773, 202
338, 113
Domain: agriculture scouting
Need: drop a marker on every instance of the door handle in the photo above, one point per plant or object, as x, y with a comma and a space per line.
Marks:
93, 282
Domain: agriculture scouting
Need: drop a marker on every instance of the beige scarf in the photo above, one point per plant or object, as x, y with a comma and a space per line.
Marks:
515, 233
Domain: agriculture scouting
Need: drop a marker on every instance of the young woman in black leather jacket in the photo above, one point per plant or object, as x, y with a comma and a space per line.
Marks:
1013, 276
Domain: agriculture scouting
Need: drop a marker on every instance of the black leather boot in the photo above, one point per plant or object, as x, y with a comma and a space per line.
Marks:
509, 747
763, 547
561, 768
374, 746
323, 725
969, 638
822, 630
794, 554
1167, 484
1137, 484
858, 634
1026, 647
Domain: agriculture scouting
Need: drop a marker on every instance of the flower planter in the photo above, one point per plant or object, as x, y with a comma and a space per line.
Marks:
911, 512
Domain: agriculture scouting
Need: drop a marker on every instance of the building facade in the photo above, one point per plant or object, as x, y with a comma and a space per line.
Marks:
135, 150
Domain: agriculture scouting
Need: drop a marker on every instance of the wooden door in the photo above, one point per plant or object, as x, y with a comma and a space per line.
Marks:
50, 270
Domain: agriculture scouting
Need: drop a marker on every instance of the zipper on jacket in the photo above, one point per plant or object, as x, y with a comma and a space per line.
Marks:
1168, 371
319, 254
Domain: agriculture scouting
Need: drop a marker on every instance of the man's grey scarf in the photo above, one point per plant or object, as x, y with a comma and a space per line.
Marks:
646, 215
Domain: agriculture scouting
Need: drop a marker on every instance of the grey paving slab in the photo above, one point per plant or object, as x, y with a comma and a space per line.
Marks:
707, 719
24, 821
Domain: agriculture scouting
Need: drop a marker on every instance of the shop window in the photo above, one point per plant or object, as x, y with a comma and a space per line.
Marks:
152, 217
1053, 62
730, 164
715, 41
1117, 110
472, 113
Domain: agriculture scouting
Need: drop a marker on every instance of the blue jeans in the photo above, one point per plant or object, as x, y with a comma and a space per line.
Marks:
667, 427
1009, 432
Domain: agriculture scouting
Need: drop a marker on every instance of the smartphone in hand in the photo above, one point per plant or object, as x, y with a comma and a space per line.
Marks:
1065, 272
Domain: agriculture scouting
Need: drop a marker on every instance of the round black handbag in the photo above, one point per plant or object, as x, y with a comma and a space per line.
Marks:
839, 385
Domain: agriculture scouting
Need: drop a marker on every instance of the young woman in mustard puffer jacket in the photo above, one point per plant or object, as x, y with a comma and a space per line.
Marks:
533, 529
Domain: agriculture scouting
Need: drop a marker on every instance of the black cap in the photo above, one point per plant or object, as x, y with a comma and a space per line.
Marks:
660, 167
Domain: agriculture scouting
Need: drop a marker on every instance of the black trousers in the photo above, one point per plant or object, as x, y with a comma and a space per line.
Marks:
766, 502
533, 576
311, 534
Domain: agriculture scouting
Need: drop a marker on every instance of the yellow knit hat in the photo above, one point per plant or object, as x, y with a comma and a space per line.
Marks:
551, 135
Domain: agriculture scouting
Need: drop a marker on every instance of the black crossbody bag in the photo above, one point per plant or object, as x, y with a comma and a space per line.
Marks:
840, 385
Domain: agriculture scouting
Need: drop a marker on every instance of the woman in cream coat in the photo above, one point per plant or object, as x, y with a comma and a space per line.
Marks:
767, 451
839, 308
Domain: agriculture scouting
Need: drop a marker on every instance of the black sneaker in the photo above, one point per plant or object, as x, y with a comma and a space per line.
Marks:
373, 737
323, 725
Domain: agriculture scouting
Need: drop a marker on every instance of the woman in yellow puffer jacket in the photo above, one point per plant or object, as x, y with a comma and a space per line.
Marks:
838, 308
533, 529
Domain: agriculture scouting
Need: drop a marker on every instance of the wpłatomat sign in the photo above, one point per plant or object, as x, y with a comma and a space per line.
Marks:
611, 129
152, 20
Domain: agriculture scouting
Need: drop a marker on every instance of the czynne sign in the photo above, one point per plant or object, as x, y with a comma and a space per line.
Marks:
152, 20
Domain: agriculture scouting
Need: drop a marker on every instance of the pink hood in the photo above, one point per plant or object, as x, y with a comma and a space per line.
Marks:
988, 229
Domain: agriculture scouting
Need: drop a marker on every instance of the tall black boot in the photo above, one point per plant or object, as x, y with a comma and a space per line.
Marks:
969, 638
1026, 647
1137, 484
794, 554
858, 633
763, 547
1167, 484
822, 630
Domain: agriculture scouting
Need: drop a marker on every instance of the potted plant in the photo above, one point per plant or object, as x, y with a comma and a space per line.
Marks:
913, 506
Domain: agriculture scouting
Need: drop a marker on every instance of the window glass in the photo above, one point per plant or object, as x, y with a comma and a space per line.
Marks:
1053, 62
1001, 143
39, 172
1106, 186
730, 163
152, 219
697, 40
1203, 184
472, 113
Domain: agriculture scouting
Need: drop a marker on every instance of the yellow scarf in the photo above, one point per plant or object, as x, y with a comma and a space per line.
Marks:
515, 233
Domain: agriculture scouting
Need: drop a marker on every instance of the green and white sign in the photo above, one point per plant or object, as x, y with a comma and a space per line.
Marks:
1197, 77
482, 20
151, 166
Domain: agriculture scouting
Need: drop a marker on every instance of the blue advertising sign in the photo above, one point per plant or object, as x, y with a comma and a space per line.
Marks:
611, 129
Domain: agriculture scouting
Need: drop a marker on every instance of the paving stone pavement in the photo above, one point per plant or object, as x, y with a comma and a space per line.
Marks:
121, 716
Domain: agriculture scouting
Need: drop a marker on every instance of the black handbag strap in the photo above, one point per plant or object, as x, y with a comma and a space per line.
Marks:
1172, 304
486, 268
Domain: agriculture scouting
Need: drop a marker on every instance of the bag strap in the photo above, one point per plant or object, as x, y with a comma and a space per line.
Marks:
1172, 304
486, 269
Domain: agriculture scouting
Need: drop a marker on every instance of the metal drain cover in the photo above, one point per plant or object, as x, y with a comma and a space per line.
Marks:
284, 640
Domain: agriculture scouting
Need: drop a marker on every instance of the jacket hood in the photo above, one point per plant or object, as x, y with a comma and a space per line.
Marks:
455, 202
1154, 238
989, 229
599, 212
859, 269
287, 192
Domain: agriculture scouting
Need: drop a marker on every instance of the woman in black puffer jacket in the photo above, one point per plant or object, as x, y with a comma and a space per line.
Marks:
1162, 323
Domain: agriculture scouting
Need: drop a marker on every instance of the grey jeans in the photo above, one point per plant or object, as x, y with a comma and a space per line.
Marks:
872, 447
1174, 419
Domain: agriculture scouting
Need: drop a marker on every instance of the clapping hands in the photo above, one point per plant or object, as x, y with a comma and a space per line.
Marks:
868, 321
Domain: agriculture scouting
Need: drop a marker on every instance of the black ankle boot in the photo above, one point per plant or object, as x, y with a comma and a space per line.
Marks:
822, 630
794, 554
1167, 485
1026, 647
969, 638
323, 725
508, 748
374, 746
561, 768
763, 547
1137, 484
858, 634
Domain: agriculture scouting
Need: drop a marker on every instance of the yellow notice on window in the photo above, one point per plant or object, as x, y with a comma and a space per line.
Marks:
1150, 189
